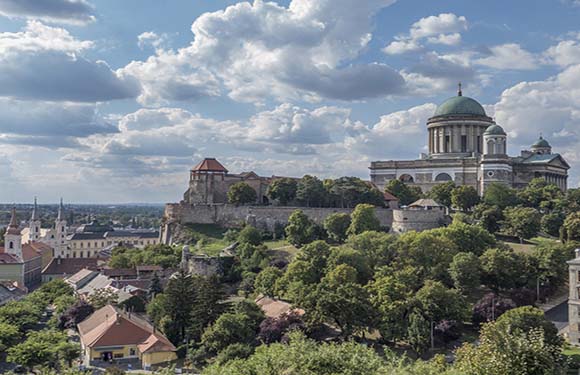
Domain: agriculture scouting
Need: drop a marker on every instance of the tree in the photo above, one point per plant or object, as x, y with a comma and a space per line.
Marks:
208, 304
179, 297
467, 238
500, 195
551, 262
402, 191
156, 308
234, 351
272, 329
46, 347
350, 191
241, 193
155, 287
228, 329
376, 246
464, 197
572, 227
525, 318
489, 217
363, 219
353, 258
300, 229
266, 281
499, 269
418, 333
75, 314
540, 194
102, 297
310, 191
341, 274
464, 270
282, 190
250, 235
336, 226
490, 307
522, 222
501, 350
437, 302
9, 335
551, 223
22, 314
441, 193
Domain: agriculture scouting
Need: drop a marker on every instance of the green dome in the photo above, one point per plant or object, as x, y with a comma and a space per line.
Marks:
494, 130
541, 143
460, 105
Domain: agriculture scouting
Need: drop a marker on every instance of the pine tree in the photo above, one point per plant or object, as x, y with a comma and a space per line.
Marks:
181, 297
207, 307
155, 288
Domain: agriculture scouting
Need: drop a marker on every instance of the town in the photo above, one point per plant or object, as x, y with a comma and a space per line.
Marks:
289, 187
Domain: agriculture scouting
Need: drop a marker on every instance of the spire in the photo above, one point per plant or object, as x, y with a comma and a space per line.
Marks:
459, 92
34, 216
60, 216
13, 225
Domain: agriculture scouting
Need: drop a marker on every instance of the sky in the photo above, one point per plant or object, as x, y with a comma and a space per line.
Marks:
108, 101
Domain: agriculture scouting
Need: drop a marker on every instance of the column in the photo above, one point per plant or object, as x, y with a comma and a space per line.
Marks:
442, 139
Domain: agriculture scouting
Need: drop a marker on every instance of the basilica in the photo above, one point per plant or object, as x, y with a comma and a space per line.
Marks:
467, 146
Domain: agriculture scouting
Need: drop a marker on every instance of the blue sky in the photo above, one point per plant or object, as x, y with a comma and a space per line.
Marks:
113, 101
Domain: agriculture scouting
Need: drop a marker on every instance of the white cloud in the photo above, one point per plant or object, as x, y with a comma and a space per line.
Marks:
151, 38
510, 56
264, 50
46, 63
444, 29
565, 53
64, 11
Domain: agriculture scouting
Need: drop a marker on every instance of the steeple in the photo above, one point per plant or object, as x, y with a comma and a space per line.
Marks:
13, 225
34, 216
13, 238
60, 216
459, 92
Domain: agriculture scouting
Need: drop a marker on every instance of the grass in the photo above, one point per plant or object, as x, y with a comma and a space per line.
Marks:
274, 244
209, 238
529, 245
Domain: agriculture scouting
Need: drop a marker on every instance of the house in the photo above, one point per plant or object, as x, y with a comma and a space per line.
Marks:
22, 262
274, 308
112, 334
61, 268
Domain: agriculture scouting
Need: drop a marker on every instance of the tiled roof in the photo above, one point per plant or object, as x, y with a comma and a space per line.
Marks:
120, 272
81, 275
109, 326
6, 258
274, 308
425, 203
87, 236
34, 249
147, 268
210, 165
69, 266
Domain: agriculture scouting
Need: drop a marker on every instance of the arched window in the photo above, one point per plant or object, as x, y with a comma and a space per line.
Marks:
443, 177
11, 245
406, 178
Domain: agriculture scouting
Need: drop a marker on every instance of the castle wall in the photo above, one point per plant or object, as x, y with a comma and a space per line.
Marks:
417, 220
265, 217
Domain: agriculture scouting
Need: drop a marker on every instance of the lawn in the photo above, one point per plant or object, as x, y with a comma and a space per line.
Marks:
528, 245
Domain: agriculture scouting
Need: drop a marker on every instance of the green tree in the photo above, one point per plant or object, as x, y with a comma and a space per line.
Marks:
241, 193
300, 229
499, 269
353, 258
341, 274
441, 193
489, 217
437, 302
399, 189
179, 297
500, 195
46, 348
540, 194
350, 191
282, 190
208, 304
228, 329
22, 314
9, 335
266, 281
526, 318
419, 331
465, 271
336, 226
522, 222
551, 260
250, 235
467, 238
464, 197
551, 223
363, 219
155, 287
376, 246
310, 191
102, 297
572, 227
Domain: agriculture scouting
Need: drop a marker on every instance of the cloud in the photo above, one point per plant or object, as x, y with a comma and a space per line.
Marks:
444, 29
46, 63
150, 38
63, 11
565, 53
509, 56
252, 51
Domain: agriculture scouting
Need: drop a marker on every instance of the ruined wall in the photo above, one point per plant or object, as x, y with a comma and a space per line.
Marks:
417, 220
264, 217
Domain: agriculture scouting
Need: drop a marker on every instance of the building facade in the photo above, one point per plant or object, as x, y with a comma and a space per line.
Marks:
574, 299
467, 146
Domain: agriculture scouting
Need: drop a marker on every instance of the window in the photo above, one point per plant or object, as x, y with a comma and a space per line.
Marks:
447, 142
11, 245
479, 144
443, 177
463, 143
82, 254
118, 355
131, 351
406, 178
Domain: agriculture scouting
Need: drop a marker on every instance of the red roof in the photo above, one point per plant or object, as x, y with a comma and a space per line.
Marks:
389, 197
210, 165
29, 251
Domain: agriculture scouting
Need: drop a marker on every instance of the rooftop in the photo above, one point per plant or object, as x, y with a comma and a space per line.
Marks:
209, 165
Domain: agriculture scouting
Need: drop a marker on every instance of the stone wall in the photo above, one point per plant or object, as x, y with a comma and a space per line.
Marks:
417, 220
264, 217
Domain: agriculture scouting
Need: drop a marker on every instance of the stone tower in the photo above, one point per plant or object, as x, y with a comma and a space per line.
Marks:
13, 238
495, 164
34, 224
574, 299
60, 226
207, 183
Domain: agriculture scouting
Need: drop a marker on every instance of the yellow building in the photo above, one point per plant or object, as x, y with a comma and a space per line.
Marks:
112, 334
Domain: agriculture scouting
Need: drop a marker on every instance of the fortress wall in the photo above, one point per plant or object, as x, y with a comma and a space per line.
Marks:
263, 216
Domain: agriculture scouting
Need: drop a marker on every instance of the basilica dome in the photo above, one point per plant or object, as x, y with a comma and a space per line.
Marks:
460, 105
494, 130
541, 143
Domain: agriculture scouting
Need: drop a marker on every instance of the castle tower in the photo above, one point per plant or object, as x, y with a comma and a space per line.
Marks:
207, 183
60, 225
574, 299
495, 163
13, 238
35, 224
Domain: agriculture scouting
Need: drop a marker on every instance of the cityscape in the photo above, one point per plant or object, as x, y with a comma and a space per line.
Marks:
289, 187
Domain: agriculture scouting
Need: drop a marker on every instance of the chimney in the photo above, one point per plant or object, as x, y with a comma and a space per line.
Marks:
577, 252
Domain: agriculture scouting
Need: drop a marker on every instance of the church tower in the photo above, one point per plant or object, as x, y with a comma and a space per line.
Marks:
35, 224
13, 238
60, 225
495, 163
